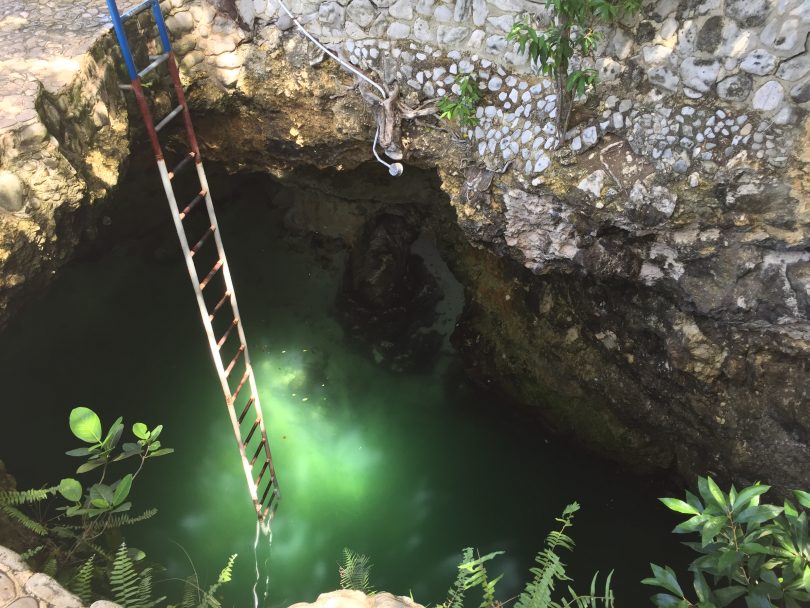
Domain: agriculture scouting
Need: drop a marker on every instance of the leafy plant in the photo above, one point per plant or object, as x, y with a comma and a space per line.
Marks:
539, 591
355, 572
759, 552
88, 510
461, 108
472, 572
572, 34
130, 588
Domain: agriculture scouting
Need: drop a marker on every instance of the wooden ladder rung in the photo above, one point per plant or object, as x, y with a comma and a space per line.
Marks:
211, 274
181, 165
250, 433
227, 333
266, 490
184, 213
211, 229
238, 354
219, 305
239, 388
265, 466
256, 455
247, 407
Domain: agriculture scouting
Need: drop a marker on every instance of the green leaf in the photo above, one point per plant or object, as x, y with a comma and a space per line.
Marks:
85, 424
155, 432
803, 498
162, 452
702, 587
140, 430
758, 514
717, 494
78, 452
664, 600
122, 490
746, 495
114, 434
679, 506
99, 503
665, 578
723, 597
89, 466
711, 529
70, 489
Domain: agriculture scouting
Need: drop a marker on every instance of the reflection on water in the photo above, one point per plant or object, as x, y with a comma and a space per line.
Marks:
407, 468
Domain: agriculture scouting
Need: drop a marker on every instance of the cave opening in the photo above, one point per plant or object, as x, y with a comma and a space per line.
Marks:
383, 442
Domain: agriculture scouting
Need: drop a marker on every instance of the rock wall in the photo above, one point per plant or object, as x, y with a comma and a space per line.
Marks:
644, 278
22, 588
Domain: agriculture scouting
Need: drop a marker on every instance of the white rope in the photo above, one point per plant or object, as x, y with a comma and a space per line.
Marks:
395, 168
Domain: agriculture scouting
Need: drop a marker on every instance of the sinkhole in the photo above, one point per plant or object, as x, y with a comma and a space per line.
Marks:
381, 440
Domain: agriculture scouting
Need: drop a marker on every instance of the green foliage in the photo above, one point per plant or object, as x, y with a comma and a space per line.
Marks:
130, 588
461, 108
539, 591
82, 584
74, 537
17, 497
355, 572
195, 597
757, 551
573, 34
550, 570
23, 519
472, 572
33, 551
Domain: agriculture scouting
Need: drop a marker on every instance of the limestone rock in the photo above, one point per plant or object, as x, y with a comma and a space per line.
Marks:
768, 96
735, 88
12, 191
699, 74
759, 62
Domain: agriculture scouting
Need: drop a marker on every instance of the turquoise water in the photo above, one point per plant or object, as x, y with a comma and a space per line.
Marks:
407, 468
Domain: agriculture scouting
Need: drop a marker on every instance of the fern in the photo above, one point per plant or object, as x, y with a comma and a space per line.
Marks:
17, 515
472, 572
130, 589
26, 555
82, 583
21, 497
122, 519
191, 593
550, 570
355, 572
225, 576
50, 567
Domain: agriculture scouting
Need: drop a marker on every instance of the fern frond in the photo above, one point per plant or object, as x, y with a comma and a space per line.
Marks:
355, 573
22, 497
22, 518
208, 599
191, 593
50, 567
122, 519
130, 589
82, 583
26, 555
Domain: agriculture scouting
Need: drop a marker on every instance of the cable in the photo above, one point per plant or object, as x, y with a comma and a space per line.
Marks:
394, 169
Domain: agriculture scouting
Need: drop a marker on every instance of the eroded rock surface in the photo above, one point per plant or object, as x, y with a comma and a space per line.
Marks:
22, 588
642, 278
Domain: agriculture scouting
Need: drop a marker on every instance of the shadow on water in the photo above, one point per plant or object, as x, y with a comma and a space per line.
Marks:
406, 467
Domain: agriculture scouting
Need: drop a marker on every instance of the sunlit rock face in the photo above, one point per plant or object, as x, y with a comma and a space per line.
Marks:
642, 278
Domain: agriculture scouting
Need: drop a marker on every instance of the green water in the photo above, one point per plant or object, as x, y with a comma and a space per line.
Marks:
407, 468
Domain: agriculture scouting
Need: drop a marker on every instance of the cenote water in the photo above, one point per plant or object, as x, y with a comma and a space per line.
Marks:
407, 468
